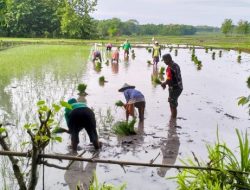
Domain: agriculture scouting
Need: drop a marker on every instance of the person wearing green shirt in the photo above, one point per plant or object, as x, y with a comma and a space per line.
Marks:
79, 117
126, 46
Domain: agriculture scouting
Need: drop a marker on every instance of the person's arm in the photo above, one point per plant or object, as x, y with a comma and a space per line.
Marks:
153, 53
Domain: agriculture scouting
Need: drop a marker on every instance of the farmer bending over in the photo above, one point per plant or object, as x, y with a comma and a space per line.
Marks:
79, 117
115, 56
174, 82
134, 98
97, 55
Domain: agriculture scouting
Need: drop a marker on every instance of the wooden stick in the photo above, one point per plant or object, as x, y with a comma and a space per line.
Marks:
67, 157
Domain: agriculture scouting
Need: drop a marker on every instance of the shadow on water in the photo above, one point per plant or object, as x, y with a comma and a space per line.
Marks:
169, 148
80, 174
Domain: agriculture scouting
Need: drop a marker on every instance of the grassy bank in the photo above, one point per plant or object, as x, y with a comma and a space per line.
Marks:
207, 40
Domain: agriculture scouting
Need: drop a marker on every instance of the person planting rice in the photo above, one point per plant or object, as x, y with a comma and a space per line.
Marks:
134, 98
79, 117
174, 82
156, 53
109, 47
97, 55
115, 56
126, 46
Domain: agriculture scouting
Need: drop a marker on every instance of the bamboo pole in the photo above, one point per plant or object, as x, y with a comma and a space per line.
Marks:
121, 163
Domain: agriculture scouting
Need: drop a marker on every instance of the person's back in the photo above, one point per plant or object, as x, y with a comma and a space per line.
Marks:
133, 95
115, 55
174, 75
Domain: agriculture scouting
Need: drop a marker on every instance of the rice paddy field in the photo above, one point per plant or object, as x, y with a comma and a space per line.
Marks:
34, 71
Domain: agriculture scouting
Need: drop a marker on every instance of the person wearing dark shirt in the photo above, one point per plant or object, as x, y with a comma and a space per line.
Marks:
174, 82
134, 98
79, 117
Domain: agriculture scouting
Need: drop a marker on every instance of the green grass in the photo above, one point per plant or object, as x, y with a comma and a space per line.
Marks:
23, 59
215, 40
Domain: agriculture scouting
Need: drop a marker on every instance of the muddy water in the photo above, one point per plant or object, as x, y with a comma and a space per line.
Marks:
208, 101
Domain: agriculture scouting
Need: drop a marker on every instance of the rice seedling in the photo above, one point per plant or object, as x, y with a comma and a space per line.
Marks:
124, 128
102, 79
119, 103
162, 70
175, 52
193, 51
149, 62
155, 80
95, 185
211, 49
98, 66
213, 55
107, 62
149, 50
170, 49
239, 58
220, 53
206, 50
105, 120
82, 89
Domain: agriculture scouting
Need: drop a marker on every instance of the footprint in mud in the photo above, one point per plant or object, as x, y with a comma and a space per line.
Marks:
181, 118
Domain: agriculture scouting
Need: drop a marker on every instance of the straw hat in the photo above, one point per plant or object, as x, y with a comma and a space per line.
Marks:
125, 87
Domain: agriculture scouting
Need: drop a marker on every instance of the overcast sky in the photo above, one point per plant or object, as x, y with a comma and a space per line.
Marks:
194, 12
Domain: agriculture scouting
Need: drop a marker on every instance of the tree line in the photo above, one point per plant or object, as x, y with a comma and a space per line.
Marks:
242, 27
72, 19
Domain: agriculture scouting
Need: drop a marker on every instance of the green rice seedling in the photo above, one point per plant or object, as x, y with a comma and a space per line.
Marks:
239, 58
175, 52
95, 185
170, 49
248, 82
102, 79
211, 49
162, 69
124, 128
107, 62
155, 80
119, 103
132, 51
213, 55
239, 51
206, 50
149, 50
193, 51
98, 66
105, 120
149, 62
220, 53
82, 88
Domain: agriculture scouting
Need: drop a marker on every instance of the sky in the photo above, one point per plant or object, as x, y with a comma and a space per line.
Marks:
193, 12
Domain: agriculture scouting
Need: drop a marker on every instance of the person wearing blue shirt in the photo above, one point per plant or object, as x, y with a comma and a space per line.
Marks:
134, 98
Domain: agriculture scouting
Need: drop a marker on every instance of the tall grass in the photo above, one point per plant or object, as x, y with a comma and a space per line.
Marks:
230, 165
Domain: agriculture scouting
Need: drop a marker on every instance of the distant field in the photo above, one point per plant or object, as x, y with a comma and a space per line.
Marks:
215, 40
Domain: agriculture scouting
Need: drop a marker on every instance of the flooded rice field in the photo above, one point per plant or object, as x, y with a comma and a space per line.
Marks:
208, 101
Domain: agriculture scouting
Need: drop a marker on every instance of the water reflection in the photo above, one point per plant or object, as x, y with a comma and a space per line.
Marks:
115, 67
78, 175
169, 148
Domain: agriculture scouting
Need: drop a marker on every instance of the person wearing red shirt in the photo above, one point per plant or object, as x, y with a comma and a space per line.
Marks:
174, 82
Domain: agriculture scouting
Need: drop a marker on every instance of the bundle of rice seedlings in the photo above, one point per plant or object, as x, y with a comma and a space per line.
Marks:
149, 62
82, 88
119, 103
175, 52
107, 62
124, 128
98, 66
149, 50
156, 80
162, 69
102, 79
